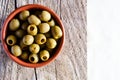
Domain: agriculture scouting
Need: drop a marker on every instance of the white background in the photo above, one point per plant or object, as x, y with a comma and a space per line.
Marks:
103, 39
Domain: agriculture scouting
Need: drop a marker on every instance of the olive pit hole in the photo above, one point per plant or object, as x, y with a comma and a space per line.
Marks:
42, 40
31, 28
10, 41
44, 57
32, 59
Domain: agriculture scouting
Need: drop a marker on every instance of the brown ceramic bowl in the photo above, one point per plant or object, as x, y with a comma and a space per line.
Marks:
4, 32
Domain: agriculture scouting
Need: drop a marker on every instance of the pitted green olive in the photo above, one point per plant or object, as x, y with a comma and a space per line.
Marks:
16, 50
28, 39
56, 32
24, 15
45, 16
44, 55
20, 33
33, 58
40, 39
24, 25
32, 29
34, 20
24, 55
51, 43
44, 27
34, 48
23, 46
14, 24
11, 40
51, 22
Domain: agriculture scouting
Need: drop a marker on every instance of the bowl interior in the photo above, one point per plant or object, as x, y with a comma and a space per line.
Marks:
4, 33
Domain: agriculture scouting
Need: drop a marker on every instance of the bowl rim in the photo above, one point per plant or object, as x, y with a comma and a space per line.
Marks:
11, 16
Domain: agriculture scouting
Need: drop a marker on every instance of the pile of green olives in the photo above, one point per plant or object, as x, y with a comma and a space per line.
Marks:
32, 36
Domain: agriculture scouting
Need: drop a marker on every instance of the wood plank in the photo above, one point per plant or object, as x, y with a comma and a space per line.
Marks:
10, 70
71, 64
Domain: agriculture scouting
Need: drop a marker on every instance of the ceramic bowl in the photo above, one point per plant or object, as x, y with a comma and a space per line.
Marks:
56, 52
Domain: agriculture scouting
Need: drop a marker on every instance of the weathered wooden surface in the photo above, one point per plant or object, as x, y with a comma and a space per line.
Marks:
71, 64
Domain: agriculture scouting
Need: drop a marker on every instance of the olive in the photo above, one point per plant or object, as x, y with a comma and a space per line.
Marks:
23, 46
24, 15
24, 25
20, 33
32, 29
40, 39
48, 49
44, 55
51, 22
11, 40
34, 20
14, 24
34, 48
51, 43
48, 34
45, 16
16, 50
24, 55
56, 32
28, 39
33, 58
44, 27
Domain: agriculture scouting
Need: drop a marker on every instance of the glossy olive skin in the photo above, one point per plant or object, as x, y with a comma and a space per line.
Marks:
40, 39
20, 33
56, 32
28, 39
32, 29
34, 48
33, 58
44, 27
44, 55
51, 43
24, 55
16, 50
24, 15
32, 19
23, 46
25, 25
51, 23
11, 40
14, 24
45, 16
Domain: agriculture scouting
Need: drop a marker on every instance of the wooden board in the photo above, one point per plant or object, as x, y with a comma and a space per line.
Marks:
71, 64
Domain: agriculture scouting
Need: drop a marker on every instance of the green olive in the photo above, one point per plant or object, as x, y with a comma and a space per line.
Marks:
34, 20
14, 24
32, 29
11, 40
23, 46
51, 43
24, 55
16, 50
44, 55
28, 39
20, 33
48, 34
56, 32
24, 15
33, 58
51, 22
40, 39
24, 25
44, 27
45, 16
34, 48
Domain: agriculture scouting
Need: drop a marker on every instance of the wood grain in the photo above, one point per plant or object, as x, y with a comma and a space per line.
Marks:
71, 64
